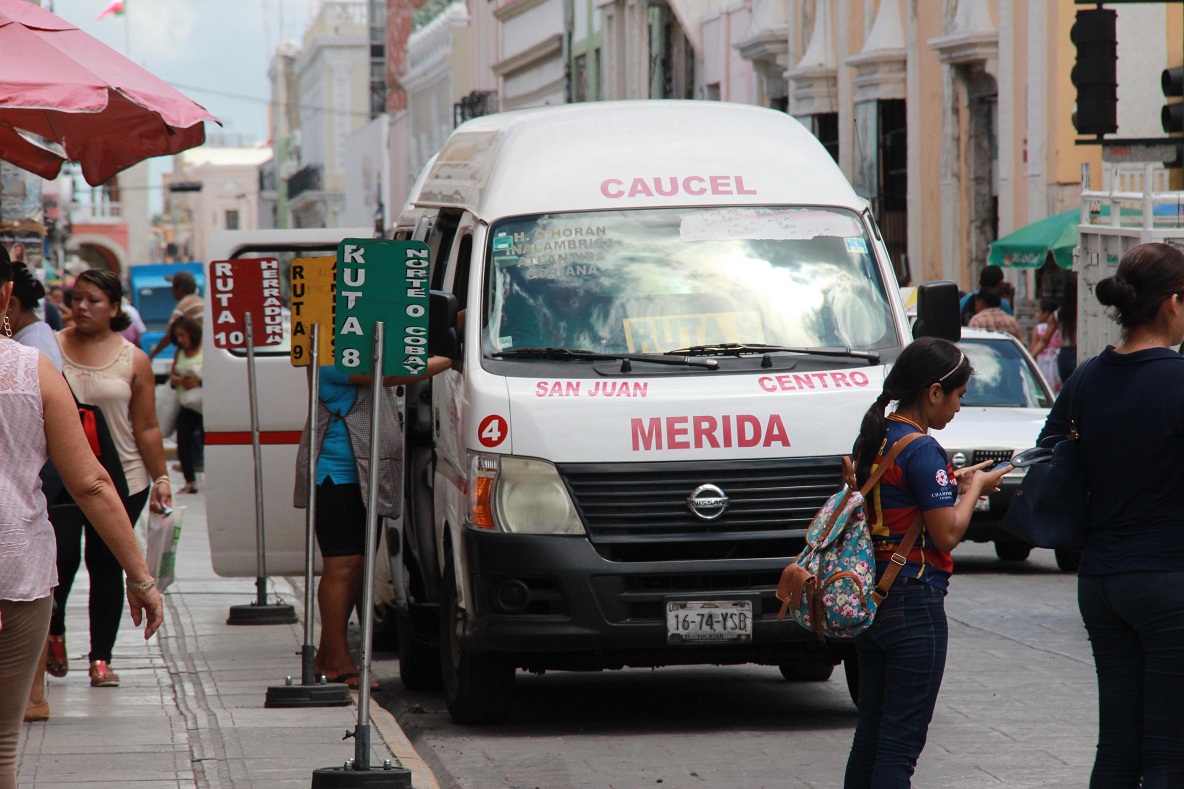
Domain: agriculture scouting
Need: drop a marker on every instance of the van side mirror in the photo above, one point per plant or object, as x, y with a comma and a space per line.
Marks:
443, 339
937, 311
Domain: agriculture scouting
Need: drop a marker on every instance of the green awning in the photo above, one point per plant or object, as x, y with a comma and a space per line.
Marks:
1029, 246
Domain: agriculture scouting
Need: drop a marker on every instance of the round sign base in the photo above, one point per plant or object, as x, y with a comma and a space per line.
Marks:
256, 614
374, 778
331, 695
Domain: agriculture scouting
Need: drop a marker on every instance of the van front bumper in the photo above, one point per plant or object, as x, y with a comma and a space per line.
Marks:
555, 602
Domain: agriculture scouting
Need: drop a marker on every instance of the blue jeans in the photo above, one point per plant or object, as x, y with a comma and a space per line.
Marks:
190, 437
1135, 623
902, 658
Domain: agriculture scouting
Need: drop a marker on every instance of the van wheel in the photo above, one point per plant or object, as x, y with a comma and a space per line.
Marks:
1068, 561
805, 667
477, 686
851, 672
419, 653
384, 636
1012, 551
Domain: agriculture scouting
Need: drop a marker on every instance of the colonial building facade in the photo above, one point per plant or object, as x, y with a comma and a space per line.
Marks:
952, 117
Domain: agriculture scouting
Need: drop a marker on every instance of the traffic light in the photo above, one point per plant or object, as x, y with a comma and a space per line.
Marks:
1096, 73
1172, 115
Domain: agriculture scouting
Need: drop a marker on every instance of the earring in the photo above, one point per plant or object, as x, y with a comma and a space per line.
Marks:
7, 327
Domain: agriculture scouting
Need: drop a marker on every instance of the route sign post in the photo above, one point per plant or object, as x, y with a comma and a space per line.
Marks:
248, 312
313, 291
311, 302
387, 281
381, 327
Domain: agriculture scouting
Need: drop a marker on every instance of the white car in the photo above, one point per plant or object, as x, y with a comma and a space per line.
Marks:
1005, 407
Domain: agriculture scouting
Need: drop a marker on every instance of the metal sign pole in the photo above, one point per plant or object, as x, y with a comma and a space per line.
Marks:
312, 691
257, 454
307, 652
362, 734
259, 612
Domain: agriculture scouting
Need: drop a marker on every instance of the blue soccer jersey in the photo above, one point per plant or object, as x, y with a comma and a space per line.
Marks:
920, 479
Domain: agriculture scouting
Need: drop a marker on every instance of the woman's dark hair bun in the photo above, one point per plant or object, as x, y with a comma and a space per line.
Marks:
26, 287
1115, 291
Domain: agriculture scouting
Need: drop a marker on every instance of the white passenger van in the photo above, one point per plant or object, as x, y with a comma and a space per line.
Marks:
675, 316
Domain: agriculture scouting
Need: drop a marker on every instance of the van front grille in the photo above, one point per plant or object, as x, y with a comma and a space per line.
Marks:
639, 512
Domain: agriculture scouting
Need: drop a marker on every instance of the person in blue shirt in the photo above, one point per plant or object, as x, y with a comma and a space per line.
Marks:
342, 479
1128, 409
991, 279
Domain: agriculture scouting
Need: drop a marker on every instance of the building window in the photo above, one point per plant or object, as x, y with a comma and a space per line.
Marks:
580, 78
672, 58
597, 75
881, 175
232, 219
826, 128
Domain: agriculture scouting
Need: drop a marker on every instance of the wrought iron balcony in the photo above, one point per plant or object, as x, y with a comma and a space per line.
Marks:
306, 179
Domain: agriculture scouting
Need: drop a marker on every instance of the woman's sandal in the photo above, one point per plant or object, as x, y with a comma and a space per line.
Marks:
352, 680
188, 489
56, 663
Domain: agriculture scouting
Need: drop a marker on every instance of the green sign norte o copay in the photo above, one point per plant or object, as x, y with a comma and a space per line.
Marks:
381, 280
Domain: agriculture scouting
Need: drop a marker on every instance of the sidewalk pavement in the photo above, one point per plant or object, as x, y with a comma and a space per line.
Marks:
189, 711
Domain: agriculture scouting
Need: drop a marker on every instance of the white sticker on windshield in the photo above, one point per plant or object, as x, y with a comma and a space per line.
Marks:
767, 224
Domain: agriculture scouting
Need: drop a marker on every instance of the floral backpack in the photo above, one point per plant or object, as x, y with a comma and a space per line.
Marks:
830, 587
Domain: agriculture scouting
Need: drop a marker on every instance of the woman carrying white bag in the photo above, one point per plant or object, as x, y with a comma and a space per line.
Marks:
186, 379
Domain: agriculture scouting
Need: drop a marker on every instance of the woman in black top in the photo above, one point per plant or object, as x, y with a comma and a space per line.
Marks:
1129, 406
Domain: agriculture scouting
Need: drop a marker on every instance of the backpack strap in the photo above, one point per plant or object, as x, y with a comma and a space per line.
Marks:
898, 560
888, 460
910, 538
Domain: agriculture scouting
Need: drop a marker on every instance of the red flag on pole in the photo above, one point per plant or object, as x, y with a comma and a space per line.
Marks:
115, 7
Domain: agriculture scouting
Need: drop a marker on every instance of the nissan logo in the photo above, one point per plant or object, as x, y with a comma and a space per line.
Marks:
707, 502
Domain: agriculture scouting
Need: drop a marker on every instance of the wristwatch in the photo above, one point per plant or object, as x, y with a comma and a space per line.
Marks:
142, 586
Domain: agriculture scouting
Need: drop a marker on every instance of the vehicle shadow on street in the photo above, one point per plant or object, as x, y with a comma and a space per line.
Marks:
982, 565
668, 700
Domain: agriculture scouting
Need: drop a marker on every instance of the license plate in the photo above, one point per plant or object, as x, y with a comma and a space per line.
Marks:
982, 505
714, 621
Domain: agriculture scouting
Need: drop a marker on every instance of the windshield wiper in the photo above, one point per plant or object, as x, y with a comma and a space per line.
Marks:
576, 354
741, 348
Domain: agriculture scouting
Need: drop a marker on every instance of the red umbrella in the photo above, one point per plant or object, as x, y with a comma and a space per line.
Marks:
104, 111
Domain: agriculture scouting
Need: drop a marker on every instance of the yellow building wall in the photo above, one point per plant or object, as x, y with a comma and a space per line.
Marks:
925, 247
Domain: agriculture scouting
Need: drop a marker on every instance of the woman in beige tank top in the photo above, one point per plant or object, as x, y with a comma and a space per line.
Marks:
107, 371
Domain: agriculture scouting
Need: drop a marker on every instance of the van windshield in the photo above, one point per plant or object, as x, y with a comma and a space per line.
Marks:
652, 281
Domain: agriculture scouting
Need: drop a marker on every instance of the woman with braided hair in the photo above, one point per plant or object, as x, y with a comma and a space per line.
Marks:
902, 655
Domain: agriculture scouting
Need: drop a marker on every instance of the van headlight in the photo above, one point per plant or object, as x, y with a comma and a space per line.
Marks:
519, 496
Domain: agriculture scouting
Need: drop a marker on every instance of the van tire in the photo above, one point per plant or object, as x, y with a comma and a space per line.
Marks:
477, 686
806, 668
1012, 550
1068, 561
419, 654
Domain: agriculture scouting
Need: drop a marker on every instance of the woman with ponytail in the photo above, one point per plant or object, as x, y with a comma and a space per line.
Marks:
1128, 409
902, 655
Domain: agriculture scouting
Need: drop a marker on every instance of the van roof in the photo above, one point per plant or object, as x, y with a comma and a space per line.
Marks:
630, 154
